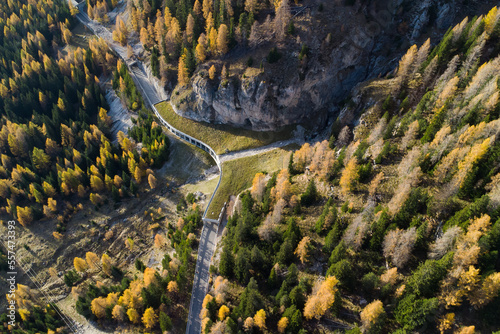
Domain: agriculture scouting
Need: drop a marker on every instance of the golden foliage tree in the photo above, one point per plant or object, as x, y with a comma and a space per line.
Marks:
319, 302
248, 324
149, 276
303, 249
259, 319
372, 190
80, 264
283, 324
200, 53
106, 264
190, 24
212, 40
258, 186
222, 39
152, 181
149, 319
24, 215
446, 322
133, 315
389, 277
172, 287
211, 72
372, 313
489, 290
223, 312
98, 307
92, 260
159, 241
182, 74
349, 176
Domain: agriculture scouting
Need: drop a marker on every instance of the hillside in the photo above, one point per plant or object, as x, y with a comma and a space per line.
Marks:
393, 225
266, 64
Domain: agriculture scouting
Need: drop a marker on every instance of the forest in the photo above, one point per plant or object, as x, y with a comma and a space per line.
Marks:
55, 138
188, 33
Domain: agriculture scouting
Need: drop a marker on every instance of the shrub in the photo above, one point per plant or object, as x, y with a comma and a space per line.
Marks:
273, 56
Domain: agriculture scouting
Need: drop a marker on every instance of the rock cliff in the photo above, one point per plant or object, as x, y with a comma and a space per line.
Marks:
347, 45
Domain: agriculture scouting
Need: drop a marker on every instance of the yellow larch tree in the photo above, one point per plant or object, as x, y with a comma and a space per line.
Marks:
303, 249
372, 313
149, 319
489, 290
258, 186
149, 276
172, 287
133, 315
200, 53
98, 307
320, 301
152, 181
259, 319
80, 264
283, 324
182, 73
159, 241
349, 175
106, 264
211, 72
248, 324
223, 312
92, 260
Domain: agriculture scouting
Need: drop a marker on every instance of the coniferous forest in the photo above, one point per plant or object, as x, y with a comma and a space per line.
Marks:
389, 223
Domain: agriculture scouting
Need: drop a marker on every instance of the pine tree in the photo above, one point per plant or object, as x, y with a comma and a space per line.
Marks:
165, 322
226, 263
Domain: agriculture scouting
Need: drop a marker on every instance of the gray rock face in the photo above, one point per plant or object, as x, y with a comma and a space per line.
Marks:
261, 104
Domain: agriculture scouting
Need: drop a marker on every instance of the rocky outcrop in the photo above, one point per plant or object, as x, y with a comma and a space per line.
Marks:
261, 103
362, 47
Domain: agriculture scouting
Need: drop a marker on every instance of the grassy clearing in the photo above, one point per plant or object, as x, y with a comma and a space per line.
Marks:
221, 137
237, 175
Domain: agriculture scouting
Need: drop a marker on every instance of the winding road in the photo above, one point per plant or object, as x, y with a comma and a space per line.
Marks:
208, 238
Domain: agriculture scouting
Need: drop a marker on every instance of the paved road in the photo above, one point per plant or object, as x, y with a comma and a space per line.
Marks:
208, 241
